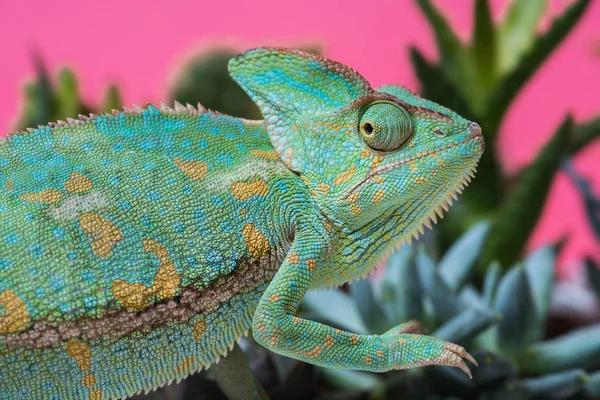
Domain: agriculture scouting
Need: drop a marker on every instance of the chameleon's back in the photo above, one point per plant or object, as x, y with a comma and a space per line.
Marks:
109, 250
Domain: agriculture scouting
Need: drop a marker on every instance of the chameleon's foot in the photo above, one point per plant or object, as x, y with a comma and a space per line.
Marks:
453, 355
421, 350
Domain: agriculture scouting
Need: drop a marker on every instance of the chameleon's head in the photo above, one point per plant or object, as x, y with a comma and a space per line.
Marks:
363, 153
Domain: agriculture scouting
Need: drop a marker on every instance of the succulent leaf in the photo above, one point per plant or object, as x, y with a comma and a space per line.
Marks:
466, 325
336, 307
539, 267
372, 314
562, 385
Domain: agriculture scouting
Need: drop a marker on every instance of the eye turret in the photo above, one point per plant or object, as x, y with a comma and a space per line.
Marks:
385, 126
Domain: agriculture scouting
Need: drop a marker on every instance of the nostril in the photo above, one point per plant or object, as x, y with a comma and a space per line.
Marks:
475, 129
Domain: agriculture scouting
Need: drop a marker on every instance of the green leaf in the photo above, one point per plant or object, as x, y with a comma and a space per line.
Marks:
112, 99
484, 44
583, 134
466, 325
373, 316
336, 307
443, 299
539, 267
457, 264
490, 283
514, 301
234, 376
593, 273
351, 380
505, 91
401, 289
592, 387
67, 95
511, 389
562, 385
515, 221
516, 34
578, 349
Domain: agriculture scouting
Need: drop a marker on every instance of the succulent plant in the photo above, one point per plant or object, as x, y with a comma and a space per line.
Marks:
503, 323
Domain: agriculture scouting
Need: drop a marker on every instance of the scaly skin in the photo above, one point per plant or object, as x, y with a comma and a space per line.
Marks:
136, 248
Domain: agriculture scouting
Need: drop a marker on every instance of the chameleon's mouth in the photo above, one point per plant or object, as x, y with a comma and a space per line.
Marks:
475, 136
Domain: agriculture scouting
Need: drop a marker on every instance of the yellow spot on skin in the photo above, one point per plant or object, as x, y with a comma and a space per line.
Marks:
185, 365
345, 176
311, 265
365, 153
194, 169
328, 226
324, 188
337, 331
378, 179
314, 352
274, 298
96, 394
46, 196
261, 328
78, 183
387, 237
420, 179
256, 242
354, 339
314, 193
368, 360
402, 341
413, 166
243, 190
88, 380
376, 162
273, 340
104, 234
293, 258
304, 179
379, 353
265, 154
441, 163
81, 352
135, 296
296, 320
378, 196
9, 185
243, 212
353, 198
14, 316
329, 341
199, 329
355, 209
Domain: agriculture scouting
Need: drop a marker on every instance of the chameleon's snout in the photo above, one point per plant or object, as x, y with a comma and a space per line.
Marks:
475, 131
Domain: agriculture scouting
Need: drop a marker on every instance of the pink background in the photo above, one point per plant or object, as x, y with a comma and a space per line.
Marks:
138, 45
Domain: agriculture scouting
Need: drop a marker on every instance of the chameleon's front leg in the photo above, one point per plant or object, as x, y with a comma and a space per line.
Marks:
276, 326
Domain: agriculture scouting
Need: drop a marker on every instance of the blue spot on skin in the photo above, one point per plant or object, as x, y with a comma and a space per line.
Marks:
187, 190
57, 282
88, 276
170, 181
149, 165
217, 201
40, 292
29, 217
87, 147
179, 227
186, 143
225, 158
146, 221
12, 238
3, 209
5, 263
118, 147
114, 180
59, 233
72, 255
153, 195
36, 250
203, 143
124, 205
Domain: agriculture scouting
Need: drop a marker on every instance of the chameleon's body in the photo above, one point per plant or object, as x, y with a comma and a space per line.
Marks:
135, 248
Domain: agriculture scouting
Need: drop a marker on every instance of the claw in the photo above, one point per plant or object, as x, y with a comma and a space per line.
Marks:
461, 364
456, 355
470, 359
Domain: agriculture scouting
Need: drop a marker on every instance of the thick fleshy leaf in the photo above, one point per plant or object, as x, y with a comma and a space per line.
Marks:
578, 349
351, 380
593, 273
502, 96
592, 203
485, 44
584, 133
511, 389
372, 314
466, 325
514, 301
539, 267
112, 99
236, 379
562, 385
592, 386
490, 283
335, 307
458, 262
443, 299
516, 34
401, 289
515, 221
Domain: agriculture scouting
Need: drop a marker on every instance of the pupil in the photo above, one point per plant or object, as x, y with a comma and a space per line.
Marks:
368, 128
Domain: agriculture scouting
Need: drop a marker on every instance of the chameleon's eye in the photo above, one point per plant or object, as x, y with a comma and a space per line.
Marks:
385, 126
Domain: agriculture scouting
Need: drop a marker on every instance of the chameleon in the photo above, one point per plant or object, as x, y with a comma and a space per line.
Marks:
136, 247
